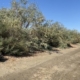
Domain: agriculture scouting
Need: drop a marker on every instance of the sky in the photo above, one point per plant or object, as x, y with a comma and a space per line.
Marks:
66, 12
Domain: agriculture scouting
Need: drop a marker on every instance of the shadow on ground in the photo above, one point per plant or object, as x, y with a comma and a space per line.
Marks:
3, 59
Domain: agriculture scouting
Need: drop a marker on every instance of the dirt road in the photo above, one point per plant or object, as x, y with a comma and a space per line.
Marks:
62, 67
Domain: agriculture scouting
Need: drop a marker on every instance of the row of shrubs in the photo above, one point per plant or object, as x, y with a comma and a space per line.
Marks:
16, 39
22, 42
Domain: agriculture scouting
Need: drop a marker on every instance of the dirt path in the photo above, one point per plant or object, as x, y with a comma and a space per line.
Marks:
65, 66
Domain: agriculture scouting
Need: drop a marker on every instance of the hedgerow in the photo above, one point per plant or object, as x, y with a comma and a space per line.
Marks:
24, 30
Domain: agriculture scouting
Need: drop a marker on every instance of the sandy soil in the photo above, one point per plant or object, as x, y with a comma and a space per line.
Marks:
64, 65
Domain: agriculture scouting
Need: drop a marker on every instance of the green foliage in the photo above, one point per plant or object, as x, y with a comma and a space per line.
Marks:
23, 30
11, 46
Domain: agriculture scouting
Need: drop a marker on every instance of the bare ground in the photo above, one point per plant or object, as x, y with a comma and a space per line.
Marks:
64, 65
